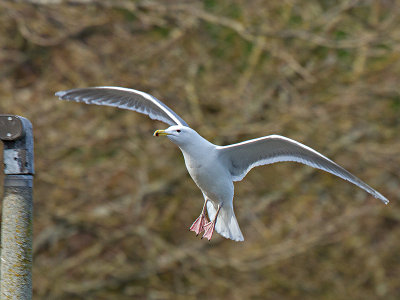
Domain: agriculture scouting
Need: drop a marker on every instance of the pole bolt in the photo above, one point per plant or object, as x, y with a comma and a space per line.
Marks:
11, 128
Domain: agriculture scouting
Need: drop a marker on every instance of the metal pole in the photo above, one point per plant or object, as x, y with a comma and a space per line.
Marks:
16, 228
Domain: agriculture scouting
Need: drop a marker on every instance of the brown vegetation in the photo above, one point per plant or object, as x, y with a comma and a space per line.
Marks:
113, 204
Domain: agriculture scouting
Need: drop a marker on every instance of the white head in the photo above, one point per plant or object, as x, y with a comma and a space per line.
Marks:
182, 136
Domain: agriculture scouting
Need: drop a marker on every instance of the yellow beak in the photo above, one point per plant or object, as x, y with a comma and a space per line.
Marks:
160, 132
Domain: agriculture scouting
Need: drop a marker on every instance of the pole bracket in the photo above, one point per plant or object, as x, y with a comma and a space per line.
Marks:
16, 134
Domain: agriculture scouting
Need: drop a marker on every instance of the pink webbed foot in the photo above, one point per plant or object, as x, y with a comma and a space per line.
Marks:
210, 226
198, 225
208, 230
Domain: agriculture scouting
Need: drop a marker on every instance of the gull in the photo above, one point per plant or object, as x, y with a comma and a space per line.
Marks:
214, 168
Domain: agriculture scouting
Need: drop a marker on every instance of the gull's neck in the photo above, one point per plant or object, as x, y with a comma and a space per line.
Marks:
196, 146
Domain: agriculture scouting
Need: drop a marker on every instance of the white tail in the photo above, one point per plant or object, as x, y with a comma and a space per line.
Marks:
227, 225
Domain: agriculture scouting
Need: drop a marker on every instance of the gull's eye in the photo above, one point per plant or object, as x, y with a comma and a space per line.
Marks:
178, 130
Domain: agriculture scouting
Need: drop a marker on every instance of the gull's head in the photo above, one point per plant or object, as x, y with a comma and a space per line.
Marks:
180, 135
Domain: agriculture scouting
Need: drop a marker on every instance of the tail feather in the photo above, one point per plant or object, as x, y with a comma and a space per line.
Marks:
226, 225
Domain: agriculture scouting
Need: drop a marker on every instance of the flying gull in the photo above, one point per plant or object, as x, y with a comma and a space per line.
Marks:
214, 168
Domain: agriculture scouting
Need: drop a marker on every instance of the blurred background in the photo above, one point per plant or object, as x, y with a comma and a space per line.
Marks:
113, 204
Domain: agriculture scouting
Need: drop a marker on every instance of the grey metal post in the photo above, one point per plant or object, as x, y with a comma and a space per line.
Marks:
16, 228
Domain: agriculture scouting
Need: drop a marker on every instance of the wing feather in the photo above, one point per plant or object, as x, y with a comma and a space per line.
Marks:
124, 98
242, 157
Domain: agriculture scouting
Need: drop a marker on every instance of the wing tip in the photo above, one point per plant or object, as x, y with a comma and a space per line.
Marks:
384, 200
379, 196
60, 94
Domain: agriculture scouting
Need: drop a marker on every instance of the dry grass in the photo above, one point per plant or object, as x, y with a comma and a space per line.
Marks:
112, 204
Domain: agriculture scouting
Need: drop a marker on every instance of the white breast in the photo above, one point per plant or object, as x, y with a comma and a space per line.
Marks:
210, 176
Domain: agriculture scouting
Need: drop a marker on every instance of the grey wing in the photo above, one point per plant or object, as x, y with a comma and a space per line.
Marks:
242, 157
124, 98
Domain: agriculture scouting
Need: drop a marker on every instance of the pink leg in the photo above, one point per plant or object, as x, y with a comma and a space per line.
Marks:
209, 227
198, 225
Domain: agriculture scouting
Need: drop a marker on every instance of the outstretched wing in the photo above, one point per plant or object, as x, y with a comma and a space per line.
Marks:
242, 157
124, 98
